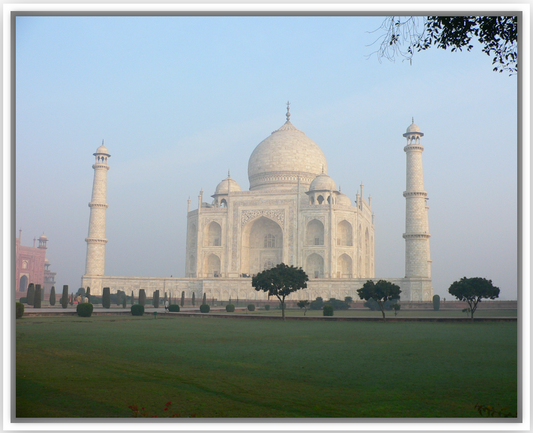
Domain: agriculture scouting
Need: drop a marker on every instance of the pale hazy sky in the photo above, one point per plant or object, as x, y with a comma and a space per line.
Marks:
182, 100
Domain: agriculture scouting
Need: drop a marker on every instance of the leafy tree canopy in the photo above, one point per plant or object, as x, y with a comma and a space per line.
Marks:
280, 281
496, 34
380, 292
473, 290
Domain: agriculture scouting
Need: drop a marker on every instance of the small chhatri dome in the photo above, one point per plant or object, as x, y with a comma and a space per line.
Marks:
284, 159
43, 237
343, 200
323, 183
413, 127
102, 150
227, 185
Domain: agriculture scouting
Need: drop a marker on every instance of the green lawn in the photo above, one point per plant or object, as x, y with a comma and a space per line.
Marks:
98, 366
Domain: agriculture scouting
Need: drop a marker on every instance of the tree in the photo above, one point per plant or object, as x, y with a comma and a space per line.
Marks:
496, 34
106, 297
380, 292
155, 299
52, 296
64, 298
473, 290
31, 294
304, 305
142, 297
280, 281
37, 298
182, 302
193, 297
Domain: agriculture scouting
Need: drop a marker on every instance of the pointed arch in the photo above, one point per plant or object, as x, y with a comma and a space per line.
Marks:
314, 233
344, 266
261, 245
314, 266
344, 234
212, 265
212, 235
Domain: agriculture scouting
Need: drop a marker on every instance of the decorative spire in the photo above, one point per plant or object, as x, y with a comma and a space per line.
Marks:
288, 112
102, 141
413, 119
229, 175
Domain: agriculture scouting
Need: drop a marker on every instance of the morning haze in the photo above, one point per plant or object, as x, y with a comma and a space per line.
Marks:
182, 100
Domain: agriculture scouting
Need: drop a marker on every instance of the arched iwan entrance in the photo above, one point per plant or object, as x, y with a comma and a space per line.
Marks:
262, 246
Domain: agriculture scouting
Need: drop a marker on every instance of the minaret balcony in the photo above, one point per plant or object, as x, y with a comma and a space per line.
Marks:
416, 235
415, 194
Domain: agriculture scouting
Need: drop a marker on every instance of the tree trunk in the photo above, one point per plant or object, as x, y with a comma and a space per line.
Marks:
282, 308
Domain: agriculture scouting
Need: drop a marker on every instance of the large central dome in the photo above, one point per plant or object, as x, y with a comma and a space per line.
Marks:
284, 157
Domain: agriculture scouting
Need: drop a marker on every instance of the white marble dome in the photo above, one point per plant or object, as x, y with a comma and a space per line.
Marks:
413, 128
323, 183
227, 185
283, 158
102, 150
343, 200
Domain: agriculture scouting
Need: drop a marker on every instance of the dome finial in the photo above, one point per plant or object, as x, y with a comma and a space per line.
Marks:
229, 175
413, 119
288, 112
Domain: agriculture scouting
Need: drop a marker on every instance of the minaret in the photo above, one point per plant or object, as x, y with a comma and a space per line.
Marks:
96, 240
417, 258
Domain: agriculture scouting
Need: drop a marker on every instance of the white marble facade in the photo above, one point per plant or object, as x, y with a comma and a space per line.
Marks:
293, 213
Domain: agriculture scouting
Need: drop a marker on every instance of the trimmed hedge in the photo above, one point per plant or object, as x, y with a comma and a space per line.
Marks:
251, 307
230, 308
52, 299
23, 300
19, 310
267, 307
31, 293
37, 298
142, 297
64, 298
137, 310
436, 303
155, 299
204, 308
327, 310
84, 309
106, 297
174, 308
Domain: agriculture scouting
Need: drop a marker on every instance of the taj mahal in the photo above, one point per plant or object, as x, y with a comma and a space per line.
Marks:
292, 213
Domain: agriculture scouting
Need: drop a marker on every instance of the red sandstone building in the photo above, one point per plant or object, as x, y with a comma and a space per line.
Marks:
32, 267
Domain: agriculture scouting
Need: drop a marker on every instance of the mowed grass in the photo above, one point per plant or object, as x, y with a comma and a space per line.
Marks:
209, 367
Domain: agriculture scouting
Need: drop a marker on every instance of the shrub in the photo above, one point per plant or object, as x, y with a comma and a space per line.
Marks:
155, 299
251, 307
84, 309
52, 299
124, 301
137, 310
267, 307
337, 304
374, 306
436, 303
204, 301
31, 293
23, 300
327, 310
193, 298
317, 304
142, 297
106, 297
230, 308
132, 298
175, 308
19, 310
37, 298
182, 303
204, 308
64, 298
